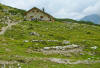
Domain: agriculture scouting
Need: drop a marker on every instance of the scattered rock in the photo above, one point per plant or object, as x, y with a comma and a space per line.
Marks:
62, 47
46, 48
95, 47
34, 33
26, 41
60, 60
44, 41
72, 46
65, 42
7, 62
35, 41
8, 50
68, 61
68, 50
52, 40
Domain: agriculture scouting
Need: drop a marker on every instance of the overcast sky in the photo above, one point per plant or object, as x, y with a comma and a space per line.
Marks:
74, 9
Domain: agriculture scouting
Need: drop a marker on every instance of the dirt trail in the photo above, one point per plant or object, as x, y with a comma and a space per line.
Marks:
5, 28
69, 61
7, 62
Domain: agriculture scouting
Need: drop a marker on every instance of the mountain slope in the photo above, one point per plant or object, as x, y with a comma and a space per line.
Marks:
40, 42
93, 18
9, 15
47, 44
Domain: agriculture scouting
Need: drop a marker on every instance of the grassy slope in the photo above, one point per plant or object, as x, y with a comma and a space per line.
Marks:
14, 14
71, 20
12, 42
13, 47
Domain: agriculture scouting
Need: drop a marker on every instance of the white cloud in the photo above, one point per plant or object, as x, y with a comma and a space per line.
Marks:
93, 9
21, 4
59, 8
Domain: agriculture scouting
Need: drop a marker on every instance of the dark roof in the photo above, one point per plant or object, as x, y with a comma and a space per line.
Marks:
39, 10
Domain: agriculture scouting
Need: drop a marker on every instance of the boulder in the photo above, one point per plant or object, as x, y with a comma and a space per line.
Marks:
95, 47
34, 33
65, 42
26, 41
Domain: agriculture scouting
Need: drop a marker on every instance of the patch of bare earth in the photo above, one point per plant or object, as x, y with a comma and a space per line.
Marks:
68, 50
69, 61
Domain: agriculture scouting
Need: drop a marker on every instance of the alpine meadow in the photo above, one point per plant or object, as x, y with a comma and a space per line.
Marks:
36, 39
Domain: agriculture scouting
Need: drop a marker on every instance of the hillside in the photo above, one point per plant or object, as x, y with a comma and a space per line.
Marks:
92, 18
9, 15
60, 44
66, 20
45, 44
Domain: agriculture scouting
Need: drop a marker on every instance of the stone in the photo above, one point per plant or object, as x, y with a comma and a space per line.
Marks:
35, 41
46, 48
8, 50
73, 45
89, 58
95, 47
34, 33
26, 41
65, 42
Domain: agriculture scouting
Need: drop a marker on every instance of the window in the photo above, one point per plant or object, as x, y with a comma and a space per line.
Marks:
37, 11
41, 16
31, 16
50, 19
32, 11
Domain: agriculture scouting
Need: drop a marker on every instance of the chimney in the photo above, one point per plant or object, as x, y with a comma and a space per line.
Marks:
43, 10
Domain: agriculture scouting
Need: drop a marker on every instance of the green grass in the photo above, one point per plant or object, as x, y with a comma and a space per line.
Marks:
48, 64
2, 25
14, 48
12, 42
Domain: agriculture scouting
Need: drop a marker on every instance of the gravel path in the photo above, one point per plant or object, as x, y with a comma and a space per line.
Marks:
69, 61
7, 62
5, 28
